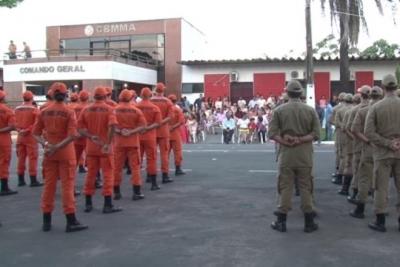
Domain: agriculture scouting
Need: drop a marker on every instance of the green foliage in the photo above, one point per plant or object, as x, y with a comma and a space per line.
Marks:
329, 47
9, 3
381, 48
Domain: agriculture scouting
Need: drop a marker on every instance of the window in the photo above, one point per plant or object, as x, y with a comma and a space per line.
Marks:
190, 88
77, 46
149, 40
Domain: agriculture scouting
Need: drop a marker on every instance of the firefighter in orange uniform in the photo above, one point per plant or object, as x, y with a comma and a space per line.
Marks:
165, 106
59, 123
25, 117
175, 141
148, 140
7, 124
49, 100
80, 143
97, 123
131, 123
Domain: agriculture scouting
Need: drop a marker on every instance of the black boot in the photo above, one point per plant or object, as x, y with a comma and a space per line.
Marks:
280, 223
353, 198
338, 179
166, 179
88, 203
358, 211
46, 222
117, 193
154, 185
178, 171
346, 185
379, 224
309, 224
82, 169
137, 194
34, 181
5, 190
108, 207
148, 179
21, 180
73, 225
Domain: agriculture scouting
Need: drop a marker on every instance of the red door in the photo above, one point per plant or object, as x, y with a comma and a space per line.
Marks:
216, 85
364, 78
267, 84
322, 83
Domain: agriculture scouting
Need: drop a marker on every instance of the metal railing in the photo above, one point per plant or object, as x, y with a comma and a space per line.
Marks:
78, 53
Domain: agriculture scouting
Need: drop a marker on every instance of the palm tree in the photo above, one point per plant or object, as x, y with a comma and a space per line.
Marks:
350, 14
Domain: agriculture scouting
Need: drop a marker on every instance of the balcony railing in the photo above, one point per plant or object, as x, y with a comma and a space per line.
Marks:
81, 54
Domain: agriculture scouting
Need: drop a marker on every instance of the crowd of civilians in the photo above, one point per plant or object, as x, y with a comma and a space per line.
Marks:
239, 122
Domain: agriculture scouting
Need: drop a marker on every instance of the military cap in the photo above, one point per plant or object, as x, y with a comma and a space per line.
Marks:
365, 90
389, 81
357, 98
341, 96
348, 98
376, 90
294, 86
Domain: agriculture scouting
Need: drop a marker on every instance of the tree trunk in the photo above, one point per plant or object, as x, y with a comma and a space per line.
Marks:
344, 59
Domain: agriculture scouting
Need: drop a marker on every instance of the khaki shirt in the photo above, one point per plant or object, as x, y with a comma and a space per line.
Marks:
339, 123
297, 119
357, 144
383, 125
358, 125
334, 112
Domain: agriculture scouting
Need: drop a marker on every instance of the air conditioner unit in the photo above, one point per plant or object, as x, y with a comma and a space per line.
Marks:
294, 74
234, 76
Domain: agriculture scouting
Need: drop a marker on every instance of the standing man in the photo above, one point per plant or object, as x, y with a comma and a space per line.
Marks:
198, 103
165, 106
148, 140
97, 123
12, 50
365, 169
59, 123
80, 143
382, 128
338, 177
7, 124
295, 126
175, 140
109, 100
131, 122
27, 146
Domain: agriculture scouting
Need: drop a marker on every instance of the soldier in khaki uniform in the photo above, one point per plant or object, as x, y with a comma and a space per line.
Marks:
362, 98
343, 143
337, 176
295, 126
382, 128
365, 169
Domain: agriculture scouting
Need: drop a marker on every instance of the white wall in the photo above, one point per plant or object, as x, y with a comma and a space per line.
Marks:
195, 74
193, 41
93, 70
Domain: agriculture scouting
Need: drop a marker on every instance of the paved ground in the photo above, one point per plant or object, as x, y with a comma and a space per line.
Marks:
216, 215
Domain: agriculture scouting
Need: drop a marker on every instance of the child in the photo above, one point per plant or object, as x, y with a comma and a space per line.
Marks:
201, 127
243, 124
192, 127
252, 130
261, 129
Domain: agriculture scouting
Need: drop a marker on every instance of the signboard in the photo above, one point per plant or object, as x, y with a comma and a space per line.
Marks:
79, 70
90, 30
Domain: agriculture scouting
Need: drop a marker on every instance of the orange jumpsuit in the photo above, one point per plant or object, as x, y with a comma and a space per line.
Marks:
58, 122
42, 107
128, 117
97, 118
165, 106
148, 140
175, 139
25, 117
79, 143
7, 118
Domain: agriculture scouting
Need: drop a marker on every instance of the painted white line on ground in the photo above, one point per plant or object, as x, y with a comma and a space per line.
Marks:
185, 170
263, 171
243, 151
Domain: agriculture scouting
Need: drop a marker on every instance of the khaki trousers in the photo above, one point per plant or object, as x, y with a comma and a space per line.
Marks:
382, 172
356, 165
286, 177
365, 176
